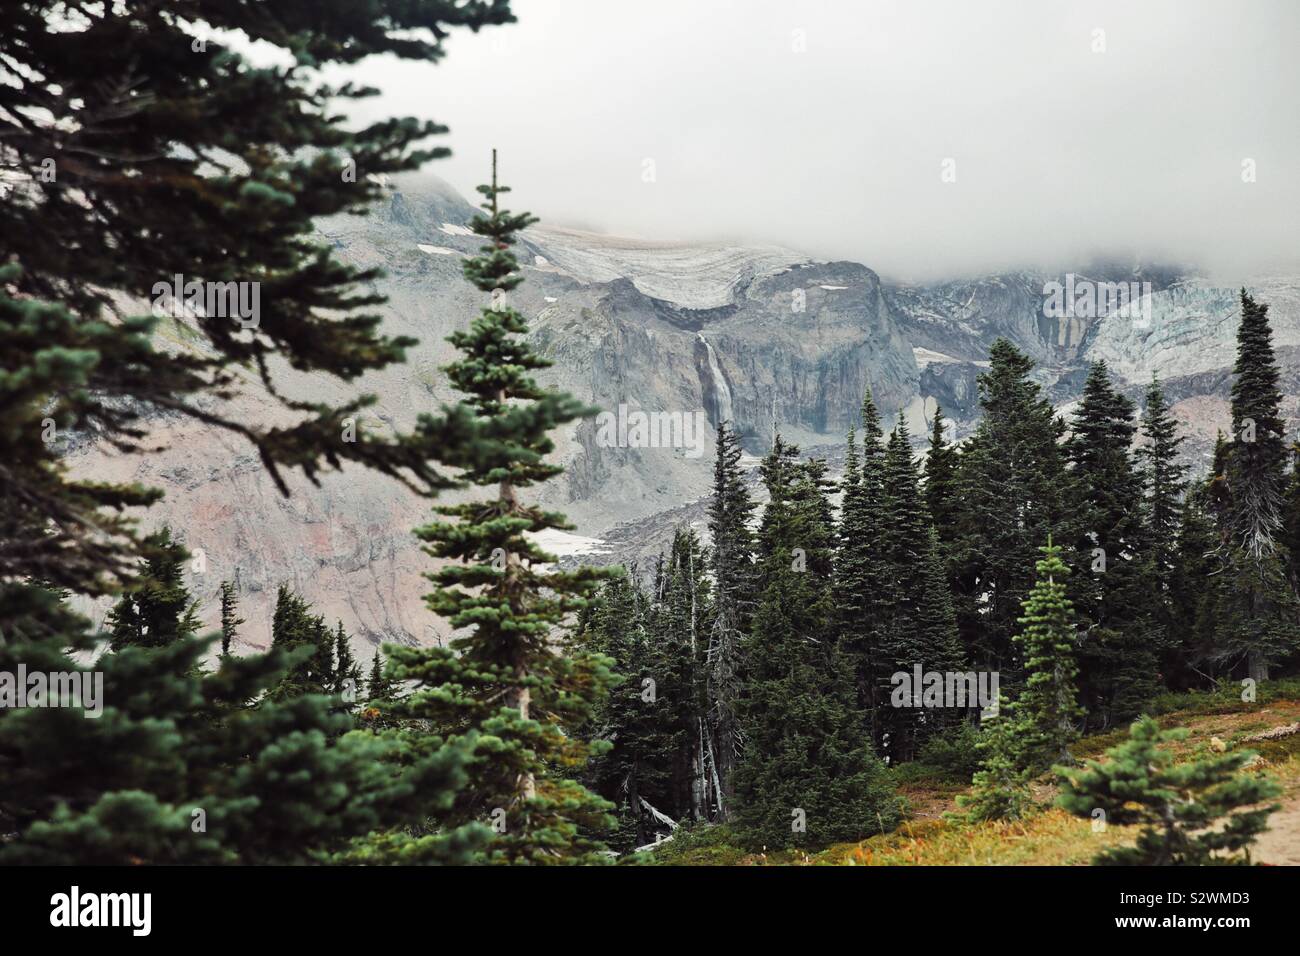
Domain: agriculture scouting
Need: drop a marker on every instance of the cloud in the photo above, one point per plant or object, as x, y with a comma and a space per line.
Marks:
825, 126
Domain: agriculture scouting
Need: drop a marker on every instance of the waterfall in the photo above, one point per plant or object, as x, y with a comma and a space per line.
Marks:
721, 391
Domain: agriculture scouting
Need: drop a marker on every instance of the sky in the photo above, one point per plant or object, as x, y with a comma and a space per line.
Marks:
924, 139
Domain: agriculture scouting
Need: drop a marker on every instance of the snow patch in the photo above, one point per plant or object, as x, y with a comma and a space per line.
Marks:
693, 275
451, 229
438, 250
564, 544
833, 288
925, 357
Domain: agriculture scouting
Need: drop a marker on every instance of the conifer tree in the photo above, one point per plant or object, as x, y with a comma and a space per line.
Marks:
307, 641
808, 774
941, 480
347, 673
861, 578
230, 619
1193, 812
1118, 663
134, 148
512, 684
1258, 606
1013, 494
158, 610
378, 687
732, 561
1290, 536
632, 770
1165, 483
918, 625
1025, 736
136, 155
1000, 787
677, 627
1047, 708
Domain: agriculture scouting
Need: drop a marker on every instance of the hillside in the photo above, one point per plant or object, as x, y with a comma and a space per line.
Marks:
1050, 837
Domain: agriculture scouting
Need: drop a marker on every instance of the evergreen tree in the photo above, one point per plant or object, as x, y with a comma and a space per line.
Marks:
1257, 456
1000, 787
307, 642
139, 160
1026, 735
230, 619
632, 770
808, 774
1119, 665
378, 687
158, 610
347, 672
140, 148
1047, 709
861, 577
1195, 590
918, 626
504, 678
732, 562
677, 626
174, 771
1193, 813
1165, 483
1013, 493
1258, 607
940, 472
1290, 536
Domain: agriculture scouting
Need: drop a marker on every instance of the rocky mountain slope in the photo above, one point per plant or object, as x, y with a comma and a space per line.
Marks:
758, 335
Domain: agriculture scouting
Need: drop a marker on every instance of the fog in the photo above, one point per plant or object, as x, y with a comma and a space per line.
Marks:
921, 138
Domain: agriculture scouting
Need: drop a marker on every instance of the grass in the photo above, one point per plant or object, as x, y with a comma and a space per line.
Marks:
1048, 836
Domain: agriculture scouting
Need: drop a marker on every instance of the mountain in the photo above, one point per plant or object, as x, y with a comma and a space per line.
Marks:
685, 334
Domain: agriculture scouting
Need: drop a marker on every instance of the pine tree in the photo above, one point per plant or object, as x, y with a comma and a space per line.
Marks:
1046, 710
941, 480
1119, 665
918, 626
307, 643
808, 774
1193, 812
678, 626
1165, 483
1195, 591
175, 772
732, 562
1257, 456
1013, 494
148, 165
347, 673
158, 610
1023, 738
230, 619
1000, 787
1290, 535
1258, 606
378, 687
512, 684
861, 577
632, 769
109, 149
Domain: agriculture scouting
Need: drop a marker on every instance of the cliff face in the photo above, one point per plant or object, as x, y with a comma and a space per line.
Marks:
689, 333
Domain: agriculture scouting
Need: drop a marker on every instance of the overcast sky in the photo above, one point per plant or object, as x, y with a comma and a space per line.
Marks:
824, 125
